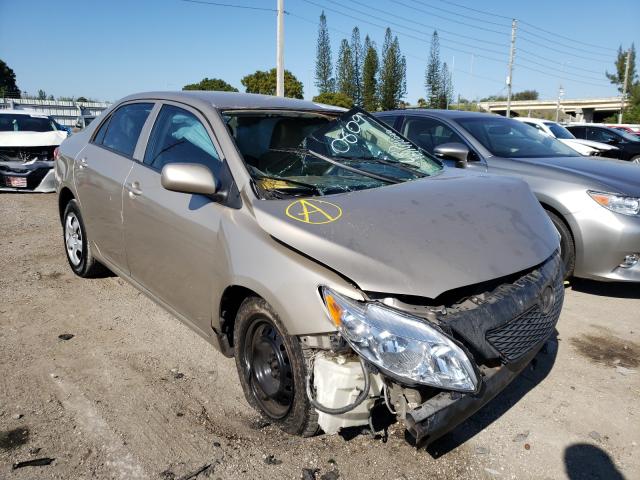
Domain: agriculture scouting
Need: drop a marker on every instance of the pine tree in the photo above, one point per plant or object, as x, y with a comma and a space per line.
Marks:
617, 78
392, 73
369, 76
357, 56
446, 92
344, 70
324, 67
433, 74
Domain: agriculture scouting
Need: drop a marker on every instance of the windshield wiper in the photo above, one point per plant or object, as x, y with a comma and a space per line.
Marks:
359, 171
308, 186
399, 165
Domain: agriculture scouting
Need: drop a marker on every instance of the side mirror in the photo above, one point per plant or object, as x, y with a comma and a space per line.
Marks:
188, 178
454, 151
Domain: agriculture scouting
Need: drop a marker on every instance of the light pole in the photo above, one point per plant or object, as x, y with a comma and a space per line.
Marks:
280, 51
560, 95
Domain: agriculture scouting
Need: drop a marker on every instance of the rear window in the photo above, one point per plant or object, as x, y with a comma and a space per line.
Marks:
559, 131
25, 123
125, 126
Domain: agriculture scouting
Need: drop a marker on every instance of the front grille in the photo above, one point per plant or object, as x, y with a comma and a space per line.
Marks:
518, 336
25, 154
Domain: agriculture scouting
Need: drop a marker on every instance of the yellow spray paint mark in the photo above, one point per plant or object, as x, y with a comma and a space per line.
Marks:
315, 212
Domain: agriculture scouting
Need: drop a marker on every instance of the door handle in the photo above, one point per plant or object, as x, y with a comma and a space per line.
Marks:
82, 163
134, 189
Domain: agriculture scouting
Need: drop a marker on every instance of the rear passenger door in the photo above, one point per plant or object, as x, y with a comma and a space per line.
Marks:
100, 172
173, 239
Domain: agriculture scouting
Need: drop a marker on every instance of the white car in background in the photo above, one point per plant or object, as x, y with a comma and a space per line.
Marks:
28, 140
583, 147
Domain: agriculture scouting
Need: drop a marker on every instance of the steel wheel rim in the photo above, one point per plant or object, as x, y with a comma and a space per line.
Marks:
268, 369
73, 239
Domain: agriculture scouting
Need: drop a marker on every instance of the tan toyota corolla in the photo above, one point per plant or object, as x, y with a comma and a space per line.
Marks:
342, 266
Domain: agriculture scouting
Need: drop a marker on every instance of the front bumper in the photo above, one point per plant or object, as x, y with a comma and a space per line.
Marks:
507, 328
446, 410
603, 240
35, 176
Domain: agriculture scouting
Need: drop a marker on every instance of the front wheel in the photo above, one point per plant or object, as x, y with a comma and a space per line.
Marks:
79, 255
272, 369
567, 247
636, 159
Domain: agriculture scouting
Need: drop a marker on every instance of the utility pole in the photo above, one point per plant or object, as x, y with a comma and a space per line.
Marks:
624, 86
280, 51
512, 54
560, 94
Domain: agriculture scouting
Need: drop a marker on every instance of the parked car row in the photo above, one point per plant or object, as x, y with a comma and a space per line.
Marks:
627, 144
403, 253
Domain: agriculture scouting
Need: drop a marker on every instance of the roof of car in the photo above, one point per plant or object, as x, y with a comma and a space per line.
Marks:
231, 100
453, 114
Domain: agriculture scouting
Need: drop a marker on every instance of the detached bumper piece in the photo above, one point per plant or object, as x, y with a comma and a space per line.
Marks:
445, 411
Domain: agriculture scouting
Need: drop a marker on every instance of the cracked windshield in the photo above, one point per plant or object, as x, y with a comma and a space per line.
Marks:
292, 153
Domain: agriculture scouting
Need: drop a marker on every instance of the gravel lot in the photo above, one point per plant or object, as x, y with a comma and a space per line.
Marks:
135, 394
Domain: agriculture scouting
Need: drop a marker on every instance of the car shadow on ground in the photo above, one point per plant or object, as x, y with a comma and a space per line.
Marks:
606, 289
585, 462
528, 379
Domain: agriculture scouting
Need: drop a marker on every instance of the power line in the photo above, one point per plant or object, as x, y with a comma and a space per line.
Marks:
527, 52
475, 10
526, 67
399, 31
609, 49
449, 19
429, 26
493, 14
460, 14
563, 52
595, 56
231, 5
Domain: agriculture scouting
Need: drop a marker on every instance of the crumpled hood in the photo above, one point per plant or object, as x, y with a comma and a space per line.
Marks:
420, 238
31, 139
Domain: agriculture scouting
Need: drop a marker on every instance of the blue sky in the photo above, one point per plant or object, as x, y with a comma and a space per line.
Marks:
108, 49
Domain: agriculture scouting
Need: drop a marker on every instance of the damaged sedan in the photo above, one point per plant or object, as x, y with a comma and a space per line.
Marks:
344, 268
27, 146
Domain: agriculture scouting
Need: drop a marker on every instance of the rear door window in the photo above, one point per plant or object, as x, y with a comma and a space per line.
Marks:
578, 132
179, 137
601, 135
428, 133
124, 128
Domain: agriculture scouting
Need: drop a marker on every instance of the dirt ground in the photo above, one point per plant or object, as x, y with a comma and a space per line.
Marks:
135, 394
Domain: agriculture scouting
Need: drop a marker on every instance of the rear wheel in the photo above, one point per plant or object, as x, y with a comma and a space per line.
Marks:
567, 247
272, 369
79, 255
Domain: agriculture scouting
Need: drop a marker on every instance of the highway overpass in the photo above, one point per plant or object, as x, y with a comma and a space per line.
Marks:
582, 109
63, 112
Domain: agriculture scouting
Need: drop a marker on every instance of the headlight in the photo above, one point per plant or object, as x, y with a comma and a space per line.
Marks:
401, 345
617, 203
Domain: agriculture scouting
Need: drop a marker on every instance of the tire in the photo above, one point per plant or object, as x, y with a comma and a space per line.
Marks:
635, 160
79, 255
272, 368
567, 246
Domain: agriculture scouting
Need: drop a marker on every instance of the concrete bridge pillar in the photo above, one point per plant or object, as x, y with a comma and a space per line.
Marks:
584, 115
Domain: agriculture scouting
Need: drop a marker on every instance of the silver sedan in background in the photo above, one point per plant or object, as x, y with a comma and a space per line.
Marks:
594, 203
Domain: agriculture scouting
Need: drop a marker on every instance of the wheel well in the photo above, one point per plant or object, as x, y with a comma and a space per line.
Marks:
64, 198
230, 302
560, 216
